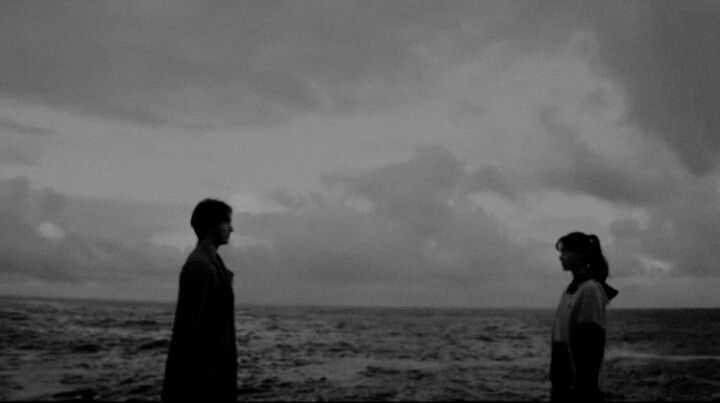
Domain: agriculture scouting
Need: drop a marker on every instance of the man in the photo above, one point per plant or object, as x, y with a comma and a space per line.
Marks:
201, 363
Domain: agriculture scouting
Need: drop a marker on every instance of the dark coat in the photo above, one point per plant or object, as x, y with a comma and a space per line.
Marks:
202, 360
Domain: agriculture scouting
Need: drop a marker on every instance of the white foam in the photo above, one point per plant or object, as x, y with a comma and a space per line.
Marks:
649, 356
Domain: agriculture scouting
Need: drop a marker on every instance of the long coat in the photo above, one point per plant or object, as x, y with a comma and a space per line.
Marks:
202, 359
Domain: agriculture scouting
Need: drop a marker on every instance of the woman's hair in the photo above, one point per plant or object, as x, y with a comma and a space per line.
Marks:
589, 247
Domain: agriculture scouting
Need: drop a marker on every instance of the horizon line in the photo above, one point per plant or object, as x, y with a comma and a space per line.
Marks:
345, 306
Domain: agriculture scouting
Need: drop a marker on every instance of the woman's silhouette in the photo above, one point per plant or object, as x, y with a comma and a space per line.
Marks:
579, 331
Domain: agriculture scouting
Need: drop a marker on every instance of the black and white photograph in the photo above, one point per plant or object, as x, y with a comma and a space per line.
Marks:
359, 200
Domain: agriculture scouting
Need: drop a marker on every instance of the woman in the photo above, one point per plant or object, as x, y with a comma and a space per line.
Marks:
579, 332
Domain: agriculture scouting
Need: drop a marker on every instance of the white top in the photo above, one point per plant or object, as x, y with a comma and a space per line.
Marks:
586, 305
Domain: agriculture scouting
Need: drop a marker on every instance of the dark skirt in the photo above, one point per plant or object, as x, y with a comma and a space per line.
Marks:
561, 373
562, 379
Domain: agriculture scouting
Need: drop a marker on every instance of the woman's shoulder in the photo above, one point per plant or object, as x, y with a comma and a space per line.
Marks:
593, 289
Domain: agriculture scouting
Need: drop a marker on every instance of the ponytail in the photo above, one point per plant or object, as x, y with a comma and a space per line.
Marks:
589, 247
598, 265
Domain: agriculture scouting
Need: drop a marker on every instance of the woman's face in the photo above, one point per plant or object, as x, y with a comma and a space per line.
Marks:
571, 261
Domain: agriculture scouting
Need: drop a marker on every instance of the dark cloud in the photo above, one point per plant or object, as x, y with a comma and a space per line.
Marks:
681, 232
19, 153
493, 179
289, 200
102, 241
20, 143
9, 125
14, 193
665, 53
682, 209
257, 61
415, 226
237, 62
592, 173
416, 193
246, 63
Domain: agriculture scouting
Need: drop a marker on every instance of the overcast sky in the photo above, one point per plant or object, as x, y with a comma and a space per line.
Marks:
400, 153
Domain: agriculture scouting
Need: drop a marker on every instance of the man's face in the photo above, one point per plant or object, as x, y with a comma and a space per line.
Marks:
221, 234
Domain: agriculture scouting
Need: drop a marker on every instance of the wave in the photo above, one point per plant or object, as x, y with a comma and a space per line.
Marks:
620, 354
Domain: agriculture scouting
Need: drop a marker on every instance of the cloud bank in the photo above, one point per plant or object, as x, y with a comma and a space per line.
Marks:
436, 151
57, 239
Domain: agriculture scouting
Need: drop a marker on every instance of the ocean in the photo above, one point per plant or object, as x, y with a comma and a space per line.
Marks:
71, 349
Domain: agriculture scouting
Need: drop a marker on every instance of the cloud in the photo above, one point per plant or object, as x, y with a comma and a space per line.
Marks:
55, 238
17, 152
236, 64
250, 202
48, 230
226, 64
9, 125
573, 109
197, 65
617, 180
416, 227
679, 210
680, 234
595, 117
19, 142
664, 53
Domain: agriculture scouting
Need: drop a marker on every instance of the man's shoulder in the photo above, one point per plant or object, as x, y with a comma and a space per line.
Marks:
197, 259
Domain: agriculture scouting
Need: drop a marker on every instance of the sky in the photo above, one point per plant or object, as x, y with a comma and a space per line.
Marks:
375, 153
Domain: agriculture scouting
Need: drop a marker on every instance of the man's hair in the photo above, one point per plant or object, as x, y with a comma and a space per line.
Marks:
208, 214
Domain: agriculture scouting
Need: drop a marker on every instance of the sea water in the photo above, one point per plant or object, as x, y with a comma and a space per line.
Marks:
70, 349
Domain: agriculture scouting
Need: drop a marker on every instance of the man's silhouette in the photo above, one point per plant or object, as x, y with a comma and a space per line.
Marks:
201, 363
